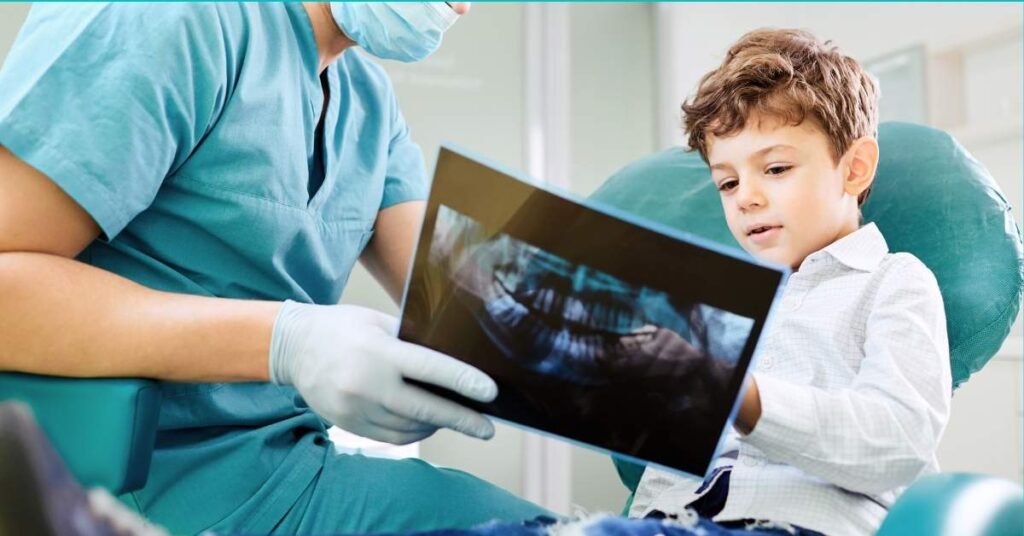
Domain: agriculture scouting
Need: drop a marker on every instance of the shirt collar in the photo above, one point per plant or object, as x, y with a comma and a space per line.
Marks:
862, 249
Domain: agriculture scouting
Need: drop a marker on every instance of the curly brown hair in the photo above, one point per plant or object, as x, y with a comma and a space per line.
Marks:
791, 76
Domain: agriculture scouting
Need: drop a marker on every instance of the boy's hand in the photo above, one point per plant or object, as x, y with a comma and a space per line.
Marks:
750, 408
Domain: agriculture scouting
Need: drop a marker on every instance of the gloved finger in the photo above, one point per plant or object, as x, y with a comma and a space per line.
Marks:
417, 404
426, 365
387, 323
104, 506
397, 438
383, 418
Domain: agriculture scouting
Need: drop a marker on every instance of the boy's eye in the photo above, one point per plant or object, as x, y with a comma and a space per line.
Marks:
727, 185
777, 170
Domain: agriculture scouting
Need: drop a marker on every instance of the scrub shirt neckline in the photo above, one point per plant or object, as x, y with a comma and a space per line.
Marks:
311, 57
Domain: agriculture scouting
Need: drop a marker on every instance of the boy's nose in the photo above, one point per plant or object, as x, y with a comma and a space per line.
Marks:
749, 196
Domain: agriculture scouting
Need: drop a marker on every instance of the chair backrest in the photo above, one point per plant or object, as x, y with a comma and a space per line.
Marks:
958, 503
930, 198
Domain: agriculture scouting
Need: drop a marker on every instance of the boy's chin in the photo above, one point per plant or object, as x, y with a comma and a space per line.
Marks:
773, 256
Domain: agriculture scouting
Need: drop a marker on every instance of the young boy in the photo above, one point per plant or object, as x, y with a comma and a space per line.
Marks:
852, 390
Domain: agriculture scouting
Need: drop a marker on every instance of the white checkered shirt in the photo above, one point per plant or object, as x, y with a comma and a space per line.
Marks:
855, 389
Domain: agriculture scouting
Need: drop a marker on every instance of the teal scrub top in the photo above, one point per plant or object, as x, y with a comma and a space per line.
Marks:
187, 131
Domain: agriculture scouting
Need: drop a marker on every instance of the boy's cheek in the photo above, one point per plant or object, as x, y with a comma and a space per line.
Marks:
736, 233
741, 239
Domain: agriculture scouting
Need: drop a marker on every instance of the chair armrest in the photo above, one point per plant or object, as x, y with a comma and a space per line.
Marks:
104, 429
957, 503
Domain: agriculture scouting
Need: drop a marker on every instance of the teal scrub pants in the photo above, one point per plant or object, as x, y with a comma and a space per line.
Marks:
359, 494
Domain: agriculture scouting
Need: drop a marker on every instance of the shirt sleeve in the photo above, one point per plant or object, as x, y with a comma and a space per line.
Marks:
883, 430
406, 178
107, 99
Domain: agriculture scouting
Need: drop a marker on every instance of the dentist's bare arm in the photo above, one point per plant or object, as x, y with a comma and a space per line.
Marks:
62, 317
389, 254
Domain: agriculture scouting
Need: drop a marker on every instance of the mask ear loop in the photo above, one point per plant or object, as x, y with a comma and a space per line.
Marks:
446, 14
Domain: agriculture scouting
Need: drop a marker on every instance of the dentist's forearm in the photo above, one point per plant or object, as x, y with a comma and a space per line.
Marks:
62, 317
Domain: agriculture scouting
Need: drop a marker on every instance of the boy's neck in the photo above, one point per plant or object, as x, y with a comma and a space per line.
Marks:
845, 232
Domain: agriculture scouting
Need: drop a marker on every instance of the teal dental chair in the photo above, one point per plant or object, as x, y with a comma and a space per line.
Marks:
930, 198
103, 429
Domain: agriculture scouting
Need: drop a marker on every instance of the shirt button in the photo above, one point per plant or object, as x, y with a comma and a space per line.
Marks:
766, 363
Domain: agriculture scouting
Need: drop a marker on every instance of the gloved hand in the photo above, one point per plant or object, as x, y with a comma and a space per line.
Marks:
348, 365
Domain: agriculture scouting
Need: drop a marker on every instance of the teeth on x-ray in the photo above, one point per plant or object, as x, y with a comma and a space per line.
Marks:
575, 311
550, 314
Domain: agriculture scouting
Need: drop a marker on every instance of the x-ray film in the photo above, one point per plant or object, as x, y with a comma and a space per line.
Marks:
597, 328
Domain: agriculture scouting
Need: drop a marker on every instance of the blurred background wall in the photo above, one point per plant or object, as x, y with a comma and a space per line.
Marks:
572, 92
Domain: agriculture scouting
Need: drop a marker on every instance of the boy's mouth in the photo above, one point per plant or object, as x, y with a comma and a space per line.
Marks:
761, 229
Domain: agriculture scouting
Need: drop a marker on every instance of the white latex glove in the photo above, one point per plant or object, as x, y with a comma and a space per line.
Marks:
119, 517
349, 366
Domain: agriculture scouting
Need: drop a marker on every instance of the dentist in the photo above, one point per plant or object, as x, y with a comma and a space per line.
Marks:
183, 192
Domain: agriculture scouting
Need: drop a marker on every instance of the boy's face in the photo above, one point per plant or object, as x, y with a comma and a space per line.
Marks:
784, 197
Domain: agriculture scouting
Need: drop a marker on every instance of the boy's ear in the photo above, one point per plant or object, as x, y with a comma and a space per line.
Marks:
862, 160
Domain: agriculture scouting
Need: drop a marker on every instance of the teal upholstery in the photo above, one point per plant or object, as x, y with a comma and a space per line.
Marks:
103, 429
960, 504
930, 197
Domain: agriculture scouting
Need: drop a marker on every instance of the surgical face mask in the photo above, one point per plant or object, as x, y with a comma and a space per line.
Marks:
403, 31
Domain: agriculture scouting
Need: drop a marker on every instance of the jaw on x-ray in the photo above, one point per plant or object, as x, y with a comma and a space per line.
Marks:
575, 322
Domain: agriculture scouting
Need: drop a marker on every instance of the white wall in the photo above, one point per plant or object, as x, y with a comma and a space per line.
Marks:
11, 17
694, 37
613, 90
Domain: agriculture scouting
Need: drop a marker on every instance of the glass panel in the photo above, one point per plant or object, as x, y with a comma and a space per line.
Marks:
901, 78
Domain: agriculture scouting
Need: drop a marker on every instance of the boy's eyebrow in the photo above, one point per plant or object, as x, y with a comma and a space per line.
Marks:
756, 154
771, 148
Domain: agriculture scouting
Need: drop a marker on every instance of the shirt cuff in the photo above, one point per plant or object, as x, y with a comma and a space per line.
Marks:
788, 421
396, 192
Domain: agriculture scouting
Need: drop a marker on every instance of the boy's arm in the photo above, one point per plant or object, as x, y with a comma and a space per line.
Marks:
750, 408
883, 430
